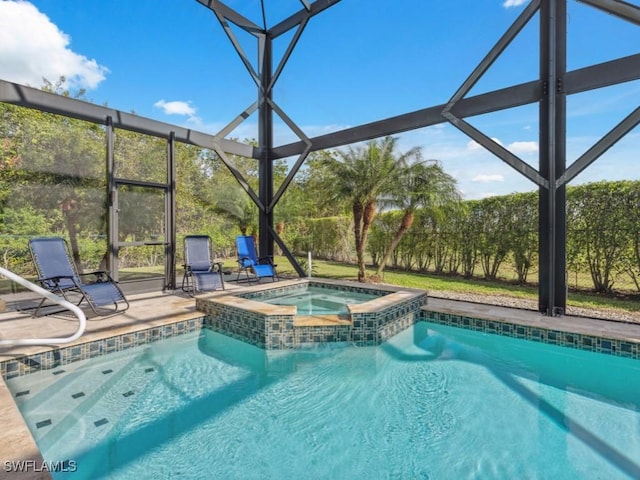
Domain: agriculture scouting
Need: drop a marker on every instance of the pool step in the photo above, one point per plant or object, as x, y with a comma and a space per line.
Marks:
39, 390
82, 391
93, 419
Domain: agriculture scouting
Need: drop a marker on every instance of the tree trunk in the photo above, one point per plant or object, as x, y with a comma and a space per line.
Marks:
405, 225
367, 219
357, 233
69, 209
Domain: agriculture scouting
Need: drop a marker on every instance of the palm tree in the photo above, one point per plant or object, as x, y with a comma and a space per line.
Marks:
233, 201
364, 175
423, 184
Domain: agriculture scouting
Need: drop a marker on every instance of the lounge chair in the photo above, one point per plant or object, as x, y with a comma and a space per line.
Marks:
248, 260
58, 274
200, 273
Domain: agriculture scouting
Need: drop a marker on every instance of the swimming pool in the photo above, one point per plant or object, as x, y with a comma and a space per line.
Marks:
433, 402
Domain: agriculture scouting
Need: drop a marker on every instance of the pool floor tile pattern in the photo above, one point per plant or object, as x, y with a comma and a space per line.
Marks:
124, 376
147, 311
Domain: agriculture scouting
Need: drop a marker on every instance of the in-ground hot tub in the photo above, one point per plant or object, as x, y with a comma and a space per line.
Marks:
315, 300
312, 311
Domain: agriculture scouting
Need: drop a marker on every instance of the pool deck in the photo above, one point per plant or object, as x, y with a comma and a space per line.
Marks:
567, 323
156, 309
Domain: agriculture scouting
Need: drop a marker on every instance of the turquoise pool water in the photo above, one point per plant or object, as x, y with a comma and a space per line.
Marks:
435, 402
317, 300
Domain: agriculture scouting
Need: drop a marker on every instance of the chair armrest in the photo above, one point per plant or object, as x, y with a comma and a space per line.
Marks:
55, 280
216, 265
268, 259
101, 275
245, 261
46, 279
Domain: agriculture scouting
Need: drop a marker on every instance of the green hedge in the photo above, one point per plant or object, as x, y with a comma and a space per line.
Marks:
497, 237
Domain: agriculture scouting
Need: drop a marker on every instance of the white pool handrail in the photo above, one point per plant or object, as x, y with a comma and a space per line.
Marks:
54, 298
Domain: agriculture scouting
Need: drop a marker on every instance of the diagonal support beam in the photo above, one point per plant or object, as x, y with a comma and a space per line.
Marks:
600, 147
315, 8
301, 158
287, 181
222, 10
237, 121
621, 9
495, 52
238, 176
498, 150
236, 45
286, 252
287, 53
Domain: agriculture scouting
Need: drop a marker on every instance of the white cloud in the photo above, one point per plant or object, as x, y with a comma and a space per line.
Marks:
176, 108
523, 147
33, 48
515, 147
472, 145
513, 3
486, 178
488, 194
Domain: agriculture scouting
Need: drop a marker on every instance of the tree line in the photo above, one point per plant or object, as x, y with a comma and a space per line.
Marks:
497, 238
369, 203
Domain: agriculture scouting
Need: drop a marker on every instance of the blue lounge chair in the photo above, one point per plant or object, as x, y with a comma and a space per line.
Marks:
200, 273
58, 274
248, 260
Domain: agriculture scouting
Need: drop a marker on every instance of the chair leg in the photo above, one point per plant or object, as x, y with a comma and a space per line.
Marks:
188, 285
35, 313
246, 271
60, 293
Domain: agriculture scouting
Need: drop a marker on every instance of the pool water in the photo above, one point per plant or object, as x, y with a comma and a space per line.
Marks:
319, 300
434, 402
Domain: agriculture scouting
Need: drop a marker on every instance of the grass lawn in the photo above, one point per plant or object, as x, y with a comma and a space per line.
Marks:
436, 285
442, 283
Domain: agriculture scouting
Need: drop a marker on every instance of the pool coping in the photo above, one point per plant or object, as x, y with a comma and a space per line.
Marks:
589, 334
271, 326
234, 299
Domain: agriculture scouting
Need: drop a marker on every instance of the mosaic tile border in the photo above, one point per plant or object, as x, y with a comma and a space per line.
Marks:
591, 343
62, 356
375, 328
367, 329
277, 332
378, 292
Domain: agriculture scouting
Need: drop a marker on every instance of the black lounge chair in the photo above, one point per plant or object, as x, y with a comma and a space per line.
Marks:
58, 274
201, 274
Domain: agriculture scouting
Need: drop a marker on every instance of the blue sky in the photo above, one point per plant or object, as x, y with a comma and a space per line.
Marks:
359, 61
